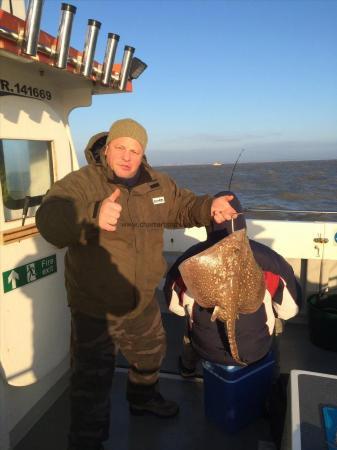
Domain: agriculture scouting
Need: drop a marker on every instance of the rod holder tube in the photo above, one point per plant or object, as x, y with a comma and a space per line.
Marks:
90, 46
63, 36
126, 66
109, 58
32, 29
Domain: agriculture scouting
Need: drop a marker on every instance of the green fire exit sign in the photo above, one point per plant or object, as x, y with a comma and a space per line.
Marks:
19, 276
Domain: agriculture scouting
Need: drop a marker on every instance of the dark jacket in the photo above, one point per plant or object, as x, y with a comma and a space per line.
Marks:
115, 272
253, 331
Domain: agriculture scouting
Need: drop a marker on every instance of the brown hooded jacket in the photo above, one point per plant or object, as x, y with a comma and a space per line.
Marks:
115, 272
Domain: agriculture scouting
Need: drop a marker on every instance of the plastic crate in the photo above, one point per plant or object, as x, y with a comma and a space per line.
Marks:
235, 396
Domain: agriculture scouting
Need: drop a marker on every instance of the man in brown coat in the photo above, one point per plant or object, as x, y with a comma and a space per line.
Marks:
111, 215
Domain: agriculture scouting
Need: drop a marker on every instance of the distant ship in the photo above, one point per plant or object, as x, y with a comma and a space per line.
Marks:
217, 163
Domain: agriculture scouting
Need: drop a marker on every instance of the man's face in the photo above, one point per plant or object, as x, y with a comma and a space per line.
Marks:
124, 156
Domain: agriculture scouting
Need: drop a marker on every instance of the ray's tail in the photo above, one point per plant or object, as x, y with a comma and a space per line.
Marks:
230, 324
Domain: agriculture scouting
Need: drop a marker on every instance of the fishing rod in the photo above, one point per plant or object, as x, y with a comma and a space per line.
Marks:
234, 167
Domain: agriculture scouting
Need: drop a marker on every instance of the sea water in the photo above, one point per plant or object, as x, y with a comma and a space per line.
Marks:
291, 186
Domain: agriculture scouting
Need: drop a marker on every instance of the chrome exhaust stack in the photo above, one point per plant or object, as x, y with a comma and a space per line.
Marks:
63, 36
32, 29
109, 58
90, 46
126, 66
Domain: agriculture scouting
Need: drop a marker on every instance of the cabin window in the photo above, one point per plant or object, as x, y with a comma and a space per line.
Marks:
26, 175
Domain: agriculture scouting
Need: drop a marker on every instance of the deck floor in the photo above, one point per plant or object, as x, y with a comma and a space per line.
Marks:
189, 430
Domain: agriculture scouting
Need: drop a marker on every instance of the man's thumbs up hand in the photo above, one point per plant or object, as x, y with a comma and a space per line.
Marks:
114, 196
110, 212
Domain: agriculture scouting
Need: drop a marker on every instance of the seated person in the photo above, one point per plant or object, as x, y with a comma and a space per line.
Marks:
207, 339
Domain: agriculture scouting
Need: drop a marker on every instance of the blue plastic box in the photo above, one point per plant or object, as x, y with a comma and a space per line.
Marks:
234, 396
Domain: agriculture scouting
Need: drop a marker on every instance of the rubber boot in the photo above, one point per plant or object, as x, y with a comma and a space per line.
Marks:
146, 399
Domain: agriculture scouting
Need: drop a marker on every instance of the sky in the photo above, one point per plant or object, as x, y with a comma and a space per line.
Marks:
223, 75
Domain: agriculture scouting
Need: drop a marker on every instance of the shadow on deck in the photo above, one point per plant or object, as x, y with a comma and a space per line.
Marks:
189, 430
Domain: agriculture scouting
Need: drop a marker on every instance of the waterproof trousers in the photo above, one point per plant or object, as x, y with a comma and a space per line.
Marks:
94, 345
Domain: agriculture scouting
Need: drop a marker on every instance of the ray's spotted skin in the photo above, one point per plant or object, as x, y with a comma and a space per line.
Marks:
227, 278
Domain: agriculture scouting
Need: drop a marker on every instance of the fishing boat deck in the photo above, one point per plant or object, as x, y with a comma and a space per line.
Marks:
190, 429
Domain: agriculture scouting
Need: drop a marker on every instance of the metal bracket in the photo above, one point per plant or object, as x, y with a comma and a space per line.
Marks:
320, 240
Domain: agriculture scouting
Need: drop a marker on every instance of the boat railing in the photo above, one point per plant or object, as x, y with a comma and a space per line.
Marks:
289, 211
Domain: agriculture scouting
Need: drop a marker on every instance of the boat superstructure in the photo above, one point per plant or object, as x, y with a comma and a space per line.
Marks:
42, 79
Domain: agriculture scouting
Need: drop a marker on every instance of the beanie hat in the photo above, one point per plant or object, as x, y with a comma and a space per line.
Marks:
128, 128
